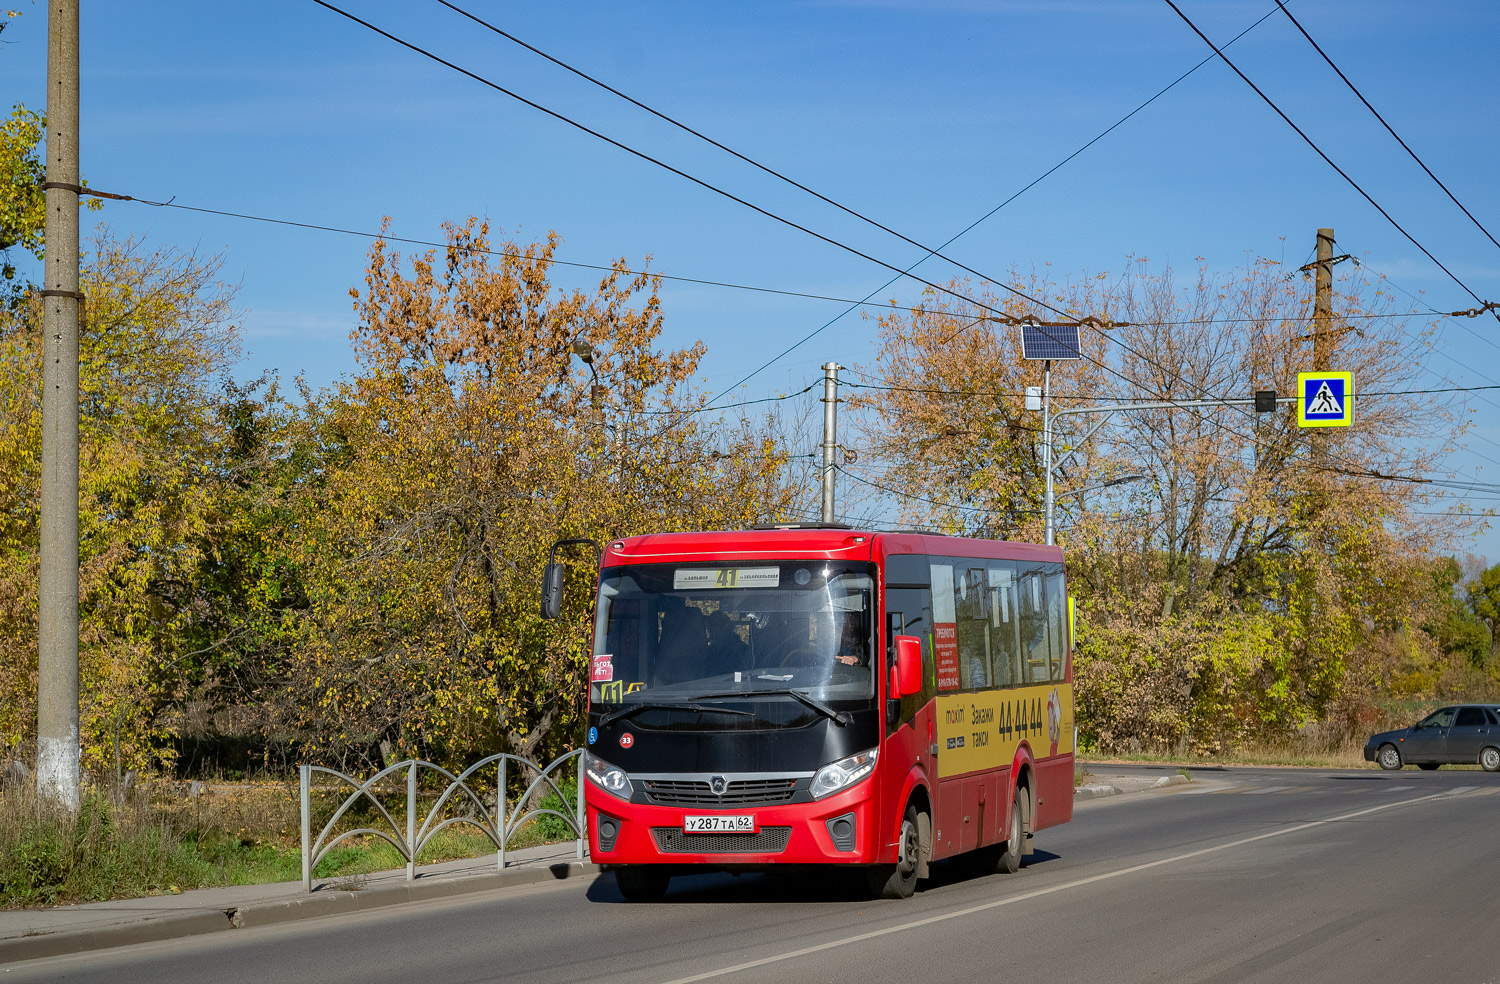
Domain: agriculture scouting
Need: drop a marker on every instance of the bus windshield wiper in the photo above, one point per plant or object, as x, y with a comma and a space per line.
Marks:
620, 713
841, 718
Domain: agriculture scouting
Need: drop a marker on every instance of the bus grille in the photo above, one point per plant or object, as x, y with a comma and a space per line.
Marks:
770, 840
741, 792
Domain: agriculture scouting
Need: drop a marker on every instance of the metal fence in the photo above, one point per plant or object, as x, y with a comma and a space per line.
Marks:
492, 818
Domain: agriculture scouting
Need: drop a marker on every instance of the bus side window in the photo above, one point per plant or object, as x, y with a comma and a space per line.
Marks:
1036, 651
914, 607
1004, 627
1057, 621
973, 644
895, 624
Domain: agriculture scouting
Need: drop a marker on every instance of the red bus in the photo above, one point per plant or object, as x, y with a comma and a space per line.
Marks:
825, 696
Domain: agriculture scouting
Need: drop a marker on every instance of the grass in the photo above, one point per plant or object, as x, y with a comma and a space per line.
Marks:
159, 841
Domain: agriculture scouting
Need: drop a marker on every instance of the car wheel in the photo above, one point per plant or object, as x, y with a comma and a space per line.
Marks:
1388, 757
642, 883
1489, 759
899, 880
1427, 766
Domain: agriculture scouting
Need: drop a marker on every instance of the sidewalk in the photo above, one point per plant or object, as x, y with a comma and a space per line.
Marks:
1101, 781
26, 934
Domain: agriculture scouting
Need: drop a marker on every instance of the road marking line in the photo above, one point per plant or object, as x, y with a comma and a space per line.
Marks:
1397, 789
1461, 789
1488, 790
1301, 789
1213, 789
1025, 896
1266, 789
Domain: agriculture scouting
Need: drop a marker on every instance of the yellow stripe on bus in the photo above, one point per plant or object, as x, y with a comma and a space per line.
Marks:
982, 729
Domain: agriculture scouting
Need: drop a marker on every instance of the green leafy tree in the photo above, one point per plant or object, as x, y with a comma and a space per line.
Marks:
1484, 598
23, 203
151, 498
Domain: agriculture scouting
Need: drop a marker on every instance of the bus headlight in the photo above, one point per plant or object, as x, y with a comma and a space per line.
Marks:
842, 774
610, 778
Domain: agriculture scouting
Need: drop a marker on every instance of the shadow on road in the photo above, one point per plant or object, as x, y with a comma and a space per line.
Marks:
804, 885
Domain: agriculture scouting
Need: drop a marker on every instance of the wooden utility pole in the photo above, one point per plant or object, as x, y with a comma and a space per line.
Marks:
1322, 331
57, 629
1323, 302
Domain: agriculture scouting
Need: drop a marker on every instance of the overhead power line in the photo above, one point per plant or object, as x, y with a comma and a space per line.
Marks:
704, 282
745, 203
678, 171
1328, 160
1389, 129
789, 222
928, 251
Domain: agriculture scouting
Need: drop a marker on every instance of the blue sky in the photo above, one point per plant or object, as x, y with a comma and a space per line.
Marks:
924, 115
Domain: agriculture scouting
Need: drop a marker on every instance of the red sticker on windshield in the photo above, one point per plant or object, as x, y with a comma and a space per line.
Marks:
602, 669
626, 740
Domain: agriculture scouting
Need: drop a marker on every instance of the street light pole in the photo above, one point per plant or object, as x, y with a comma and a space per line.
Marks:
1048, 501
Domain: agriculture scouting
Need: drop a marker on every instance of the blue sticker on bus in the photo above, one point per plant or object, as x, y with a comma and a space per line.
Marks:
593, 735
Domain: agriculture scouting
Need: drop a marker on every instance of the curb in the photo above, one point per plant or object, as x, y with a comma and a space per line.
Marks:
1094, 791
176, 925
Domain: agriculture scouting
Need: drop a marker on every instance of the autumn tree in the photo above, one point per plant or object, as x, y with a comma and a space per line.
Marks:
470, 438
1241, 588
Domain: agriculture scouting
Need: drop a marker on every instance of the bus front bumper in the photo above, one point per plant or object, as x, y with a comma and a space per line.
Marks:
838, 830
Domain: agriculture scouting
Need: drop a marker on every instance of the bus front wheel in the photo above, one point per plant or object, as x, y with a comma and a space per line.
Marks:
642, 883
899, 880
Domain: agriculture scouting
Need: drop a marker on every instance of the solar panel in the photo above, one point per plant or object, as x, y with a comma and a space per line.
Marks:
1050, 342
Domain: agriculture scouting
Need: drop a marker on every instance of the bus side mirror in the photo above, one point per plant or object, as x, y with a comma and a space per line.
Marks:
552, 590
906, 675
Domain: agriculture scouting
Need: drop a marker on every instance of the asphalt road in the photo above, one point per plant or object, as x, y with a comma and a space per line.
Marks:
1247, 875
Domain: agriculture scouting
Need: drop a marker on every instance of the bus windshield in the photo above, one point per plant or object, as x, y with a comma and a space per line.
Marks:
666, 632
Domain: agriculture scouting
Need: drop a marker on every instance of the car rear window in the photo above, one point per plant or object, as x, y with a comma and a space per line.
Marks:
1470, 717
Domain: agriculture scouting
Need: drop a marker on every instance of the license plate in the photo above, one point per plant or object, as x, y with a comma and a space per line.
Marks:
742, 824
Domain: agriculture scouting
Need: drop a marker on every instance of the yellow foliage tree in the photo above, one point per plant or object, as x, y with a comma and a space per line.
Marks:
471, 438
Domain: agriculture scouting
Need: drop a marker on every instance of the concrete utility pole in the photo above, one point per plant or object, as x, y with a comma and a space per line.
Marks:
830, 434
57, 630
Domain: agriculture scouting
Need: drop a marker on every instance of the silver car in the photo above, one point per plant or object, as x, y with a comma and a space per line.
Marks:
1464, 734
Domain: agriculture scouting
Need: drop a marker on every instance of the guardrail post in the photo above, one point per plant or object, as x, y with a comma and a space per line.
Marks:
306, 800
501, 834
583, 834
411, 821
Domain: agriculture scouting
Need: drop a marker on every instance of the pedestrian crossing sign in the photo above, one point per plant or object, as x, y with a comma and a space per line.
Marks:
1327, 399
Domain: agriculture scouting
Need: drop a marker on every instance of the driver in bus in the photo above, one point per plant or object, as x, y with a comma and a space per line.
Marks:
727, 652
852, 649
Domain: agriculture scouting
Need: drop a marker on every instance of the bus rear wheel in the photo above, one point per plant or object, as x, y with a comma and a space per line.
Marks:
642, 883
1004, 857
1009, 857
899, 880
